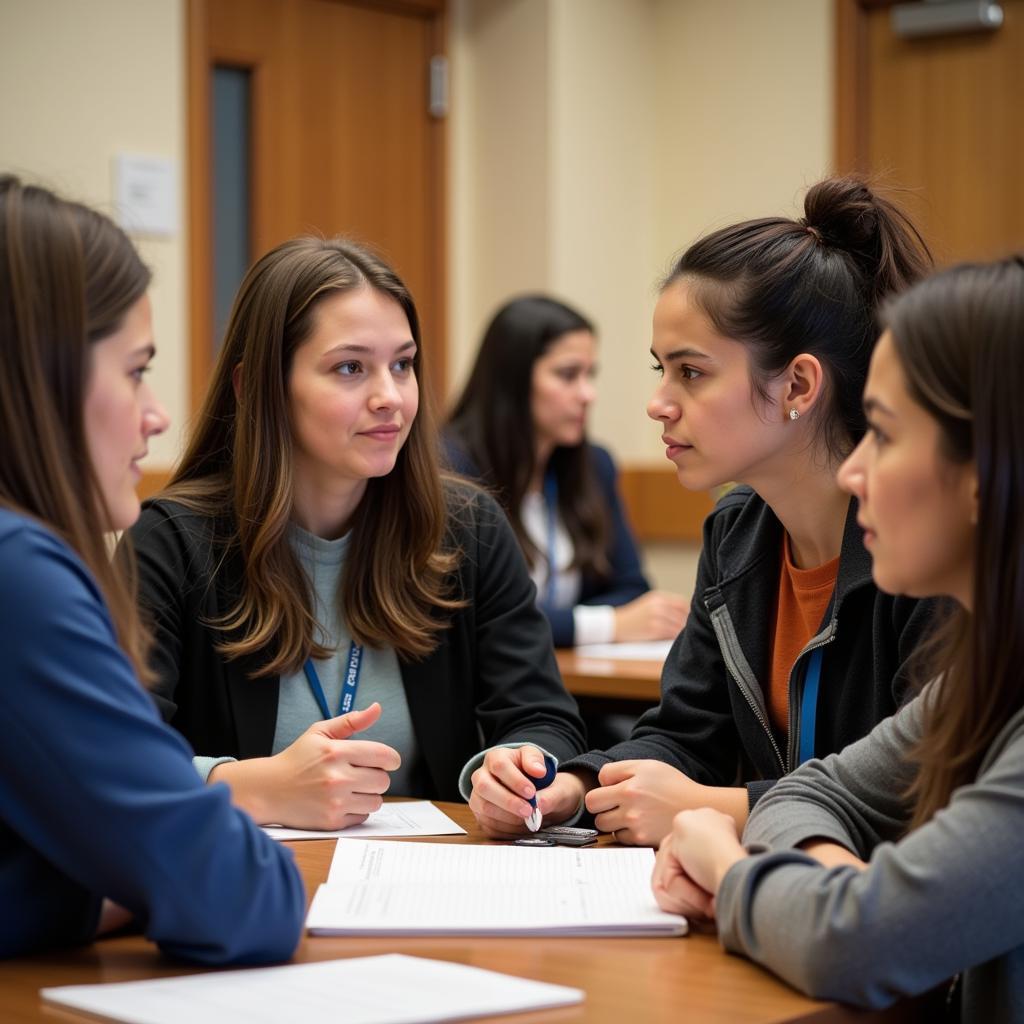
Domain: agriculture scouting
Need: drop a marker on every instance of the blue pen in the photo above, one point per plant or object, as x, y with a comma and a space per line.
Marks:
533, 822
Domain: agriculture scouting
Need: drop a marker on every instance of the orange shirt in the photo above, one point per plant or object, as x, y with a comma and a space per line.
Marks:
804, 595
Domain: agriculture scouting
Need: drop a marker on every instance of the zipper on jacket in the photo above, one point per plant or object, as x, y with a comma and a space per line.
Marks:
729, 643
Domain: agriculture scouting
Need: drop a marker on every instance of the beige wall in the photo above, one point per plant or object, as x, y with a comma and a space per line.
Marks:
594, 138
82, 82
745, 111
659, 120
589, 140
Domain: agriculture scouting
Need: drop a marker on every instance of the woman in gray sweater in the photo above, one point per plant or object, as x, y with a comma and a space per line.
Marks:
886, 869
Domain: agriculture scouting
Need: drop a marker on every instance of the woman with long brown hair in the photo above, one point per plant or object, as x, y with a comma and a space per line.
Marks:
520, 428
102, 818
933, 798
333, 619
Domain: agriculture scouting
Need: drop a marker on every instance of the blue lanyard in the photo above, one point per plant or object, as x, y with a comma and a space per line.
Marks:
809, 707
551, 501
348, 690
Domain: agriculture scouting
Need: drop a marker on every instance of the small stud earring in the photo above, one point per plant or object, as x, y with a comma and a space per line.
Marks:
794, 414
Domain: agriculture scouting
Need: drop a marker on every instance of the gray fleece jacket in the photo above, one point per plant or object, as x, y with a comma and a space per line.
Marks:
946, 898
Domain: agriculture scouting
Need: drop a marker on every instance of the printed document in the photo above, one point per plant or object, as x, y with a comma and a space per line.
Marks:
412, 818
452, 889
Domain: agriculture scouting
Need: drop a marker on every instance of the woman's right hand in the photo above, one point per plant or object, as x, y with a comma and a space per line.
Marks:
503, 784
656, 615
324, 780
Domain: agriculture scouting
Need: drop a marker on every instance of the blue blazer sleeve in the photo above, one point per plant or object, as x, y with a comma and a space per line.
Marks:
455, 457
626, 580
98, 798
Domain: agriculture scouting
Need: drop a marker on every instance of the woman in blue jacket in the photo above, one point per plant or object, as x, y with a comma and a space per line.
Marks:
520, 428
102, 817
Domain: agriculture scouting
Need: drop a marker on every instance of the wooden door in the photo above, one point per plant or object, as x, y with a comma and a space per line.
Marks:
942, 116
342, 140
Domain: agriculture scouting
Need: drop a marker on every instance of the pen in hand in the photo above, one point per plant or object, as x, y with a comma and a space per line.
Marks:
533, 822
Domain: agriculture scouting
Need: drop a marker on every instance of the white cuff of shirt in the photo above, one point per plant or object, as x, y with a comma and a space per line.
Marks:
205, 765
593, 624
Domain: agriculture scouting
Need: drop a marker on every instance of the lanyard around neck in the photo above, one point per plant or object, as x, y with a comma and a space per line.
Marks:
551, 504
347, 699
809, 707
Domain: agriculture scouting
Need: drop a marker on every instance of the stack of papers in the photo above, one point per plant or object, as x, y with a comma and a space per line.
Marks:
448, 889
412, 818
390, 989
649, 650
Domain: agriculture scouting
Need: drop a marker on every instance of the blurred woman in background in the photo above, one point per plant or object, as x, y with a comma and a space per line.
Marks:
520, 427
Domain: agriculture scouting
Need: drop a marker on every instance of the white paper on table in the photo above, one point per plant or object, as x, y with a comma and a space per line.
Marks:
389, 989
413, 818
447, 888
652, 650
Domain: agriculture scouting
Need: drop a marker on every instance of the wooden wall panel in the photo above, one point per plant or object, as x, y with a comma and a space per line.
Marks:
660, 508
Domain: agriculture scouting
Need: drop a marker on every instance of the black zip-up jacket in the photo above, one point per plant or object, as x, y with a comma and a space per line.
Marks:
492, 678
712, 722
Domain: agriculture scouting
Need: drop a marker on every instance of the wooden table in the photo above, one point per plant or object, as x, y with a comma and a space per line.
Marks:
626, 980
611, 678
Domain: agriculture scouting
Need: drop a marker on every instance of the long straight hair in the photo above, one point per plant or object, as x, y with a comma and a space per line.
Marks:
68, 277
959, 338
783, 287
492, 421
239, 458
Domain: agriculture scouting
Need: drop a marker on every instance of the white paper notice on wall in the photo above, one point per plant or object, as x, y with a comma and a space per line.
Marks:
146, 194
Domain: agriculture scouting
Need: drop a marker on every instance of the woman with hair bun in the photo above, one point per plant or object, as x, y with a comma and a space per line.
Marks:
762, 336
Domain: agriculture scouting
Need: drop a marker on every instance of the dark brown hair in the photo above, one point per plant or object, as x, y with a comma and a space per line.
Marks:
68, 277
239, 458
784, 287
959, 338
493, 422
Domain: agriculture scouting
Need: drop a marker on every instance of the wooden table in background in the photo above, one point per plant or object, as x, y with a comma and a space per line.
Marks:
626, 980
611, 678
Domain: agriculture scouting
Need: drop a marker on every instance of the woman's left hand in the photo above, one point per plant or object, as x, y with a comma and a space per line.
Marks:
503, 784
693, 860
112, 917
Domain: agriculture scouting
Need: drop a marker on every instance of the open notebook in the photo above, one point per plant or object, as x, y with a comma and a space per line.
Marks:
379, 888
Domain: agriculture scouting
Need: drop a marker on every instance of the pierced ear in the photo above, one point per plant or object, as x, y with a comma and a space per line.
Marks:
802, 384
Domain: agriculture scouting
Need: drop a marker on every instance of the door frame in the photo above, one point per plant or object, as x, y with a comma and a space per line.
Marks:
850, 142
201, 57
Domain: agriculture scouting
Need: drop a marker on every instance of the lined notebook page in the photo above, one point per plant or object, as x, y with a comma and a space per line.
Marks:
427, 888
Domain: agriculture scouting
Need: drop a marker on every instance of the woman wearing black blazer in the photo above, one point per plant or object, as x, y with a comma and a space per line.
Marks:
332, 617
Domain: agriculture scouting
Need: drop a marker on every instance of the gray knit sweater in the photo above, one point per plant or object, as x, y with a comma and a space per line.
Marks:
947, 898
